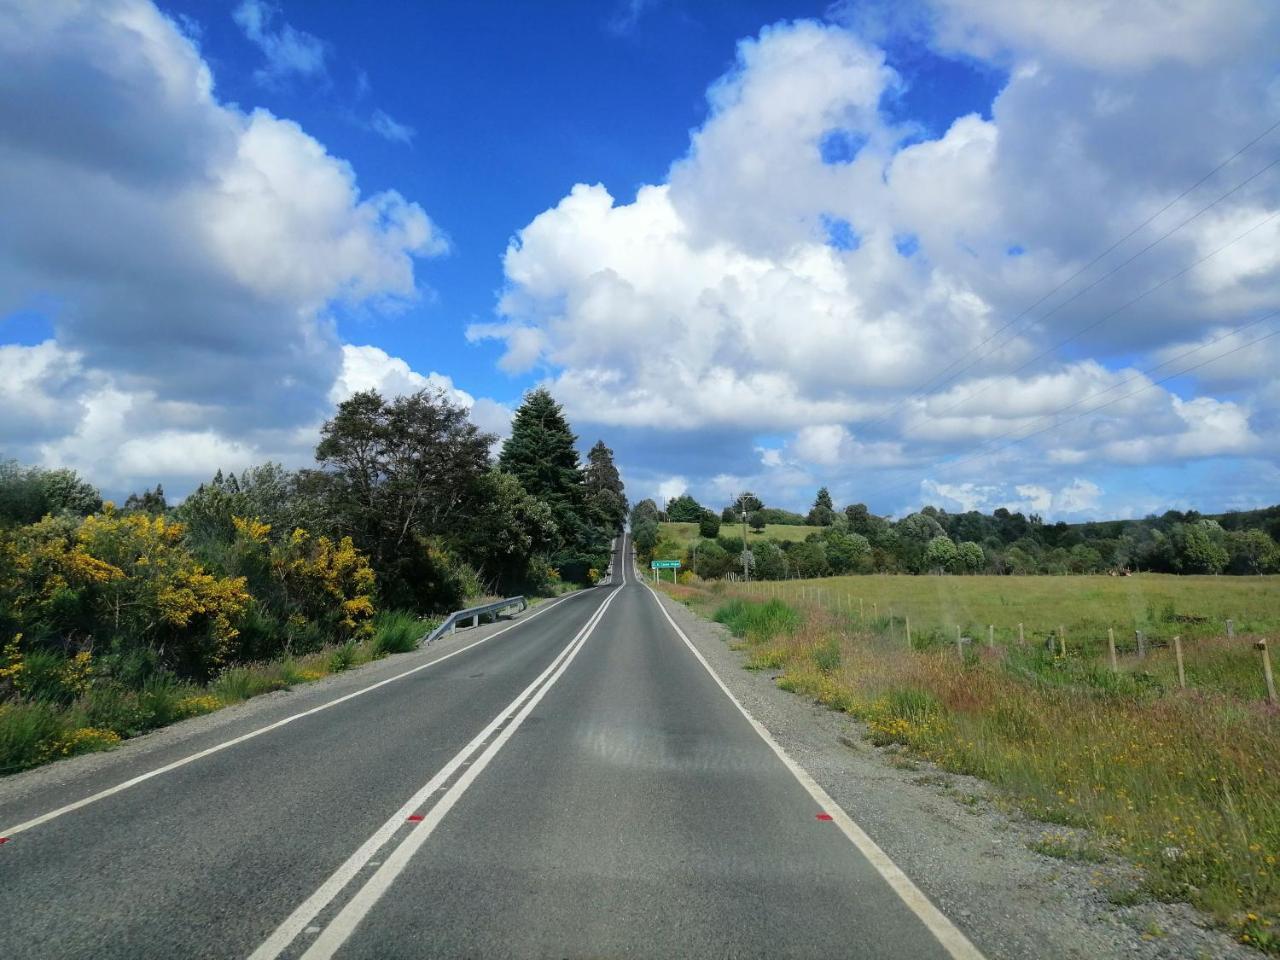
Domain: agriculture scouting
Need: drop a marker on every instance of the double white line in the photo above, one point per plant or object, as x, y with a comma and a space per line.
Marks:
475, 756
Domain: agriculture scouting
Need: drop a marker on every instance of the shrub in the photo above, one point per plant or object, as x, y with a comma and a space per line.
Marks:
67, 580
342, 658
110, 706
308, 591
236, 684
41, 677
25, 728
396, 631
164, 700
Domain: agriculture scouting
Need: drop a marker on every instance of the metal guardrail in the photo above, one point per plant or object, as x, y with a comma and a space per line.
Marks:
473, 614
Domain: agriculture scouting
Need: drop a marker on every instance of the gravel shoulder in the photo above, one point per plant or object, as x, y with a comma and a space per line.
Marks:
958, 842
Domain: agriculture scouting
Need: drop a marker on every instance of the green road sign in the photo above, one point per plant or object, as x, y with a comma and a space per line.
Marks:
664, 565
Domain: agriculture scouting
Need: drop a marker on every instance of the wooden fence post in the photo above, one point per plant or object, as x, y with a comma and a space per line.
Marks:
1231, 629
1177, 653
1022, 640
959, 642
1111, 645
907, 619
1141, 639
1266, 671
861, 619
991, 635
1062, 639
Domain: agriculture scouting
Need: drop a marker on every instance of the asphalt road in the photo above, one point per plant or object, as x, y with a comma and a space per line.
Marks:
576, 785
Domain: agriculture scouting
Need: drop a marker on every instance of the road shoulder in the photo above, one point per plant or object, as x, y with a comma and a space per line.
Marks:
955, 840
163, 745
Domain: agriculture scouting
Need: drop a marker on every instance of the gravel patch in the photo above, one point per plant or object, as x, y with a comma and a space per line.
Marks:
969, 852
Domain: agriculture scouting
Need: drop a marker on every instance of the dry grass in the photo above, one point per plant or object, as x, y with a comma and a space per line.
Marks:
1185, 783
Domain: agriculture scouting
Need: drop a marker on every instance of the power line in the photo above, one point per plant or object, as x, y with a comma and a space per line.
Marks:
1103, 319
1136, 376
930, 383
1134, 393
1150, 386
1110, 273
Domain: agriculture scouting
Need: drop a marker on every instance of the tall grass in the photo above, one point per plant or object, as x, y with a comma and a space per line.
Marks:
397, 631
1185, 783
758, 621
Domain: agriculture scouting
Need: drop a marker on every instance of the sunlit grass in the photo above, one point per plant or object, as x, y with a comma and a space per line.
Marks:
1184, 783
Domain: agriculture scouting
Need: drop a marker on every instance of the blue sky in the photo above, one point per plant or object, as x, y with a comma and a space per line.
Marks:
740, 241
509, 104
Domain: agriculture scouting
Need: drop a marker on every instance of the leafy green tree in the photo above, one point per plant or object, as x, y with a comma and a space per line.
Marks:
847, 552
606, 498
21, 499
645, 510
919, 528
542, 455
1084, 559
398, 473
65, 492
645, 536
507, 534
771, 562
708, 525
969, 556
710, 560
859, 518
684, 509
809, 559
915, 532
1252, 551
148, 501
757, 521
940, 554
29, 493
823, 512
1199, 547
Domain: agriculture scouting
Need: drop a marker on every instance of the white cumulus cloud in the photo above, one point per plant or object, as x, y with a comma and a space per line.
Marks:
190, 255
715, 300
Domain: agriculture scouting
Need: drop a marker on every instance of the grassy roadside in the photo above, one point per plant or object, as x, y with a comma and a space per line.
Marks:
1186, 784
75, 713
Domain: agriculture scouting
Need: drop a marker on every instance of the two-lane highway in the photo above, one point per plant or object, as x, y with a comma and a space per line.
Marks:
580, 785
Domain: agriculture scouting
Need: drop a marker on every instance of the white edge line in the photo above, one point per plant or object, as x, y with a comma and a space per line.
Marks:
340, 928
289, 929
946, 932
134, 781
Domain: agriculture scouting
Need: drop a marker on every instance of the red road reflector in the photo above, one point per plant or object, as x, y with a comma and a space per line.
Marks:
824, 816
4, 839
415, 817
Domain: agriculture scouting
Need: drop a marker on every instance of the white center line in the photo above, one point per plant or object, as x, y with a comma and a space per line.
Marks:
191, 758
466, 760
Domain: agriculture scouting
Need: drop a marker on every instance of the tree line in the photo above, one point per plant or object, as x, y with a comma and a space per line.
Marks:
406, 513
854, 540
